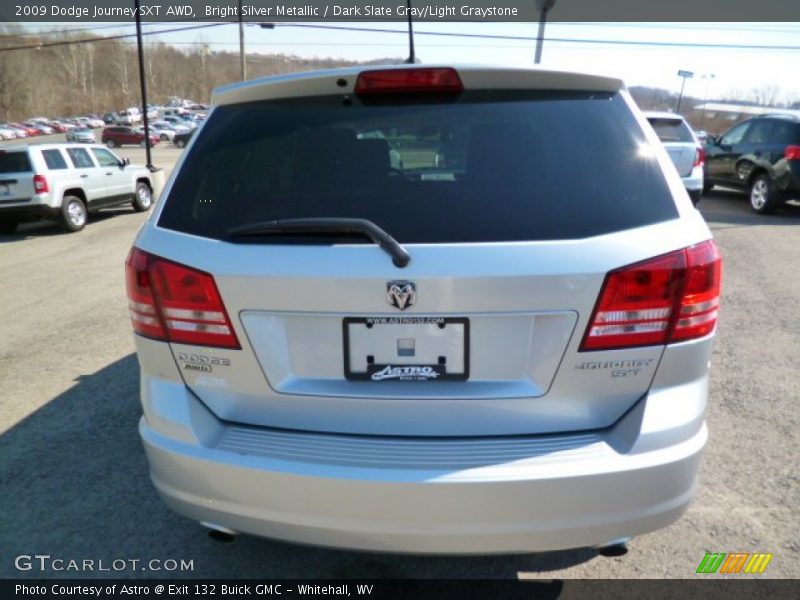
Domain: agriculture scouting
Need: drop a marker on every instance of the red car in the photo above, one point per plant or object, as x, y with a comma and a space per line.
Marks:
29, 128
56, 126
118, 136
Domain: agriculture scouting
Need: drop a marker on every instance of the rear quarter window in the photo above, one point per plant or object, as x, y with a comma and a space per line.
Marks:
14, 162
54, 159
490, 166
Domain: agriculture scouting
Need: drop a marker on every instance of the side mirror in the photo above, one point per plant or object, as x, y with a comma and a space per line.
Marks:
124, 162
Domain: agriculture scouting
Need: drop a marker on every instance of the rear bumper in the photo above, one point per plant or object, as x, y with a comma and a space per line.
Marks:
22, 213
694, 181
504, 494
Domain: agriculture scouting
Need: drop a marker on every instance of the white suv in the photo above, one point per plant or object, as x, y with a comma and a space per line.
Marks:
64, 182
496, 341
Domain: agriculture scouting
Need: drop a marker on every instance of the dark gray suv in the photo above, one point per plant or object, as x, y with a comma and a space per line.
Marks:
761, 156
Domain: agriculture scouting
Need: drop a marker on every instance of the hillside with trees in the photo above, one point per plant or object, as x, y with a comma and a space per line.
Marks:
101, 76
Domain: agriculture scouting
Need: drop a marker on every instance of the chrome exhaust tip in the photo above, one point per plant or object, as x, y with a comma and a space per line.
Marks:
614, 548
218, 533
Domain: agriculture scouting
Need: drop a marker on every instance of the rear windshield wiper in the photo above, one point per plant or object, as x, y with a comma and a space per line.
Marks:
323, 225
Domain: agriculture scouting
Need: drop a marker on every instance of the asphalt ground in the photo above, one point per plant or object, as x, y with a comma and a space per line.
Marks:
73, 475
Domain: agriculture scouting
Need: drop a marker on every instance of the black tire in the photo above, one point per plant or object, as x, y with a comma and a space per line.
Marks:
180, 143
707, 187
763, 197
695, 195
73, 215
164, 137
142, 198
7, 228
111, 143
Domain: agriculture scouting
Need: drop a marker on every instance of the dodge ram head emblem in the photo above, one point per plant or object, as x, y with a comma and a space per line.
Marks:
401, 294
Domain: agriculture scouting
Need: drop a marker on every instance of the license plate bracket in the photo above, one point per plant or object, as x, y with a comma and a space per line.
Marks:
406, 348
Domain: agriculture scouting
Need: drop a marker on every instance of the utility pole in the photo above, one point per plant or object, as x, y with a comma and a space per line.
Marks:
242, 59
143, 85
685, 75
544, 7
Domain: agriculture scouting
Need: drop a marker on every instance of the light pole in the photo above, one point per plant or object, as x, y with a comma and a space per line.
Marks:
143, 85
685, 75
544, 7
708, 77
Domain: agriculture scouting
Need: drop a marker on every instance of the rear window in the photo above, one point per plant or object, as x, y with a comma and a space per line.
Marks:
14, 162
54, 159
488, 167
672, 130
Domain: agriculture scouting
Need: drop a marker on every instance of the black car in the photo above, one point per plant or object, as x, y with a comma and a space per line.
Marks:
181, 139
761, 156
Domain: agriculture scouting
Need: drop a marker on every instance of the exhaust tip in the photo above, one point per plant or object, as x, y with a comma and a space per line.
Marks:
218, 533
614, 549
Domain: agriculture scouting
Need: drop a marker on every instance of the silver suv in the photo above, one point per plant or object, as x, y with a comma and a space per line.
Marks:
64, 182
425, 310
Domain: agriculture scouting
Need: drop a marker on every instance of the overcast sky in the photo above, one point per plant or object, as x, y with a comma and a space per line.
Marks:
641, 63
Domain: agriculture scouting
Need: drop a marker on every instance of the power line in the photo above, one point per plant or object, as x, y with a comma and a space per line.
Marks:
549, 39
427, 33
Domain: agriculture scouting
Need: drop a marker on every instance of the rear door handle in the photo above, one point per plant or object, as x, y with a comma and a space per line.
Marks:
84, 175
109, 173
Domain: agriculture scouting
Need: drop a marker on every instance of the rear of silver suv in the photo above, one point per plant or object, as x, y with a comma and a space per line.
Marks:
425, 310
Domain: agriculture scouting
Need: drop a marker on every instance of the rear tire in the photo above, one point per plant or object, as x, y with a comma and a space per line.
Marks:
73, 215
111, 143
180, 143
142, 198
695, 195
763, 198
707, 187
7, 228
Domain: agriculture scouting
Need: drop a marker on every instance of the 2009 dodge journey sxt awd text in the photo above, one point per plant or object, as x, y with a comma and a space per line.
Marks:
425, 309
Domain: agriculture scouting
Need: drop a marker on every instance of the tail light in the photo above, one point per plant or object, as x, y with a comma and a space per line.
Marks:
409, 81
670, 298
792, 153
174, 303
40, 185
699, 157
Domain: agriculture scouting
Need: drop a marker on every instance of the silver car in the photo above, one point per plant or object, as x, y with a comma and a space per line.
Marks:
489, 345
81, 134
684, 148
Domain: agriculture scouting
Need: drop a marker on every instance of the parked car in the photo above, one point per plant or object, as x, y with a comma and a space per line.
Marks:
20, 132
109, 118
83, 134
179, 122
6, 133
163, 133
120, 136
31, 131
684, 149
59, 127
510, 356
181, 139
65, 182
760, 156
42, 129
93, 121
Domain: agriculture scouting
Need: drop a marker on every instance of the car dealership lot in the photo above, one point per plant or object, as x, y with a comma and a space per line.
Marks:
73, 472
